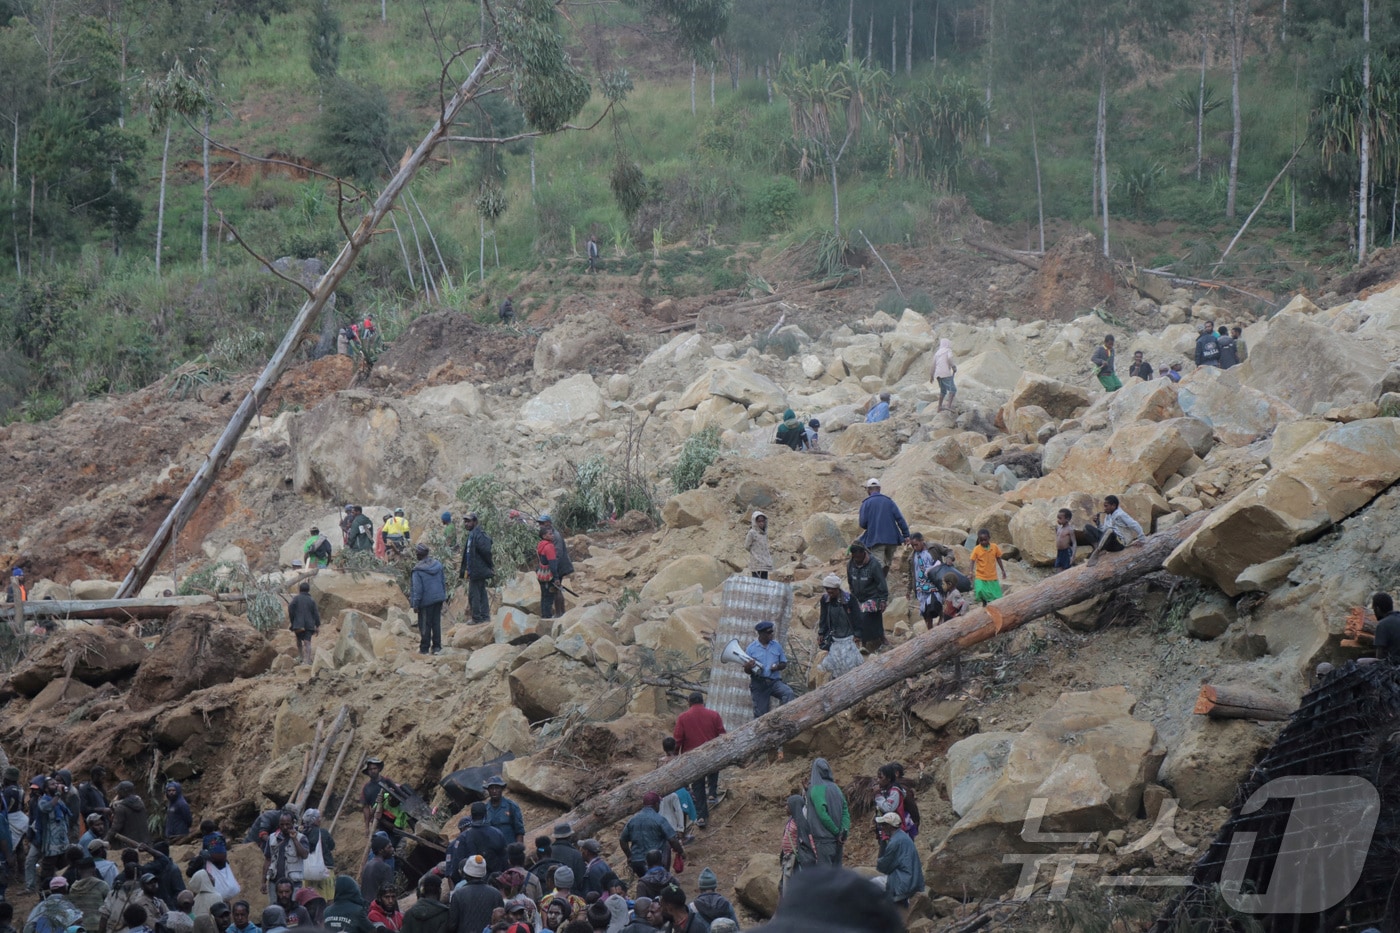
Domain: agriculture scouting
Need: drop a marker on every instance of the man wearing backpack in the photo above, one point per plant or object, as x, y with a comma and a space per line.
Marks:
1207, 346
1226, 343
316, 552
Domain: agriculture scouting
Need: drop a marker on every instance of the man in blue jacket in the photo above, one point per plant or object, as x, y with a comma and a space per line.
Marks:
884, 525
426, 595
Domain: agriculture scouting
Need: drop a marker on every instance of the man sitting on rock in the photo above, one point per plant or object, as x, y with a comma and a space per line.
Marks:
1117, 529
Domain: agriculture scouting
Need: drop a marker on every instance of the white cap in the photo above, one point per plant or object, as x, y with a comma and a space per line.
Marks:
889, 819
831, 581
872, 482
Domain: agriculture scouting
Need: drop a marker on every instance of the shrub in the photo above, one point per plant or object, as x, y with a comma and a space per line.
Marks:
774, 206
697, 453
893, 304
602, 492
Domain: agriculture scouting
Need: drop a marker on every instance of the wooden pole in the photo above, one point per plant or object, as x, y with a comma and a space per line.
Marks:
155, 608
321, 756
335, 769
310, 311
880, 672
306, 758
348, 788
1231, 701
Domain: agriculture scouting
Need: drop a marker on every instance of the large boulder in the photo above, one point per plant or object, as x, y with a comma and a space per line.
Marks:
463, 399
97, 654
990, 371
512, 625
930, 494
1033, 527
973, 765
877, 440
757, 886
1238, 414
371, 593
1211, 758
863, 360
1141, 452
200, 648
685, 572
358, 446
579, 343
1059, 399
1333, 476
356, 642
684, 636
546, 778
737, 383
551, 686
566, 402
1308, 365
94, 589
827, 534
1086, 757
522, 591
691, 508
1154, 400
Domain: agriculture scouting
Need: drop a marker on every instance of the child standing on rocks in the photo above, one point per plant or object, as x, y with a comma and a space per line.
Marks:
1064, 539
986, 561
756, 543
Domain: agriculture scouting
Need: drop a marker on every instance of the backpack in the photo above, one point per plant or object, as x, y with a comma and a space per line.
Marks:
1210, 349
322, 549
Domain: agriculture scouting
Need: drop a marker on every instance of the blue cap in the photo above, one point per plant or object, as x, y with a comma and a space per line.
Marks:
446, 517
17, 572
544, 517
764, 626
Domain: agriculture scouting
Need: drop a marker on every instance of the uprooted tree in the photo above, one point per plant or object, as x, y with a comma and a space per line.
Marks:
880, 672
521, 54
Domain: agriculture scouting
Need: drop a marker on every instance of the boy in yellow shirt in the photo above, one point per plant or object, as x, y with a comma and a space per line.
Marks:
986, 561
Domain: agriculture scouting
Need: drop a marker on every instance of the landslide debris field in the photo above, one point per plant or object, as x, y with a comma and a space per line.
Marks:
1292, 454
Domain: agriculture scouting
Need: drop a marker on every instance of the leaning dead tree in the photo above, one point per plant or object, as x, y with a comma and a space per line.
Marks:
880, 672
524, 55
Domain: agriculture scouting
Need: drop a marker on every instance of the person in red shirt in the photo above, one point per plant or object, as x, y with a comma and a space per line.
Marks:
694, 728
547, 573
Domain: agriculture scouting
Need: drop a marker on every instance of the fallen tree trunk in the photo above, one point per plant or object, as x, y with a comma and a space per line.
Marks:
156, 608
1001, 252
880, 672
1230, 701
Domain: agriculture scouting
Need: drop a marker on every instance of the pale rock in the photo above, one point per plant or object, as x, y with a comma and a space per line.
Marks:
356, 644
812, 366
522, 590
1186, 505
471, 637
1057, 447
48, 589
1269, 575
948, 453
1209, 620
1300, 304
1291, 437
551, 686
1144, 401
757, 885
679, 350
684, 635
928, 493
581, 638
535, 651
463, 399
154, 588
991, 371
489, 659
619, 387
1028, 419
512, 625
738, 384
690, 509
720, 414
507, 730
568, 401
1086, 756
937, 714
1211, 758
881, 322
1339, 472
692, 569
1032, 528
94, 589
1142, 452
1305, 364
996, 518
1238, 414
913, 324
1082, 616
870, 385
1357, 411
576, 342
371, 593
828, 535
973, 766
877, 440
861, 360
1059, 399
545, 778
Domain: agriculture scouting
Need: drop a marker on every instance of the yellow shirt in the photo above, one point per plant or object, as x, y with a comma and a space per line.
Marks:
984, 561
396, 526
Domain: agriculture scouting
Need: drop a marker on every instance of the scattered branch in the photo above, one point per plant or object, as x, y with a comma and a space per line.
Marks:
223, 221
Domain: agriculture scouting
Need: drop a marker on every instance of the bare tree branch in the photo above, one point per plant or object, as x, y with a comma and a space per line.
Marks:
223, 221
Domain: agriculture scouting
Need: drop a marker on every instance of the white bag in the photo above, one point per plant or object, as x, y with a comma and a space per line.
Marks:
313, 867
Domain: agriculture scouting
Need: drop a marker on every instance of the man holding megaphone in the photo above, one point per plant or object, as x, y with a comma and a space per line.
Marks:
764, 667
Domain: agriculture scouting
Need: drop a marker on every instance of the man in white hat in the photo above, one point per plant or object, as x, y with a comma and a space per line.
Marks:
904, 876
884, 526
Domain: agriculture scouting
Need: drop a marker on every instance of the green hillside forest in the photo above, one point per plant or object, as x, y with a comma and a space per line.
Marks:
154, 152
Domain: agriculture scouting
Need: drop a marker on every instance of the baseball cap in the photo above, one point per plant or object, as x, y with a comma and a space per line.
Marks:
871, 482
764, 626
889, 819
495, 780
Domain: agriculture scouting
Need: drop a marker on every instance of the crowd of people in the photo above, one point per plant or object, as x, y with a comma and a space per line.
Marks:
1223, 348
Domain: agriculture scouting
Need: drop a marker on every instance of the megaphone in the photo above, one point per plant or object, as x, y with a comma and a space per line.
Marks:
733, 654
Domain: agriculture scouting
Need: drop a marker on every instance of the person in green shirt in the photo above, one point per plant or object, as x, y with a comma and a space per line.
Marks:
828, 816
316, 552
